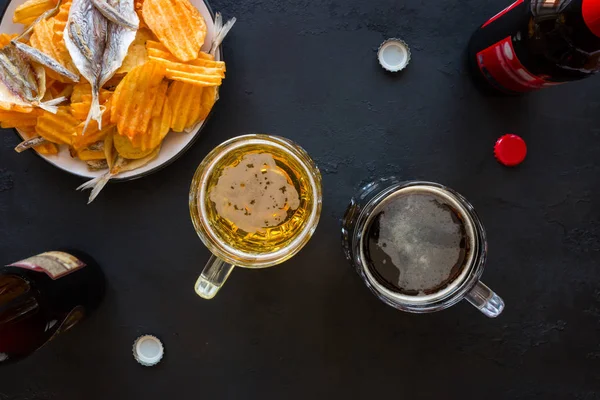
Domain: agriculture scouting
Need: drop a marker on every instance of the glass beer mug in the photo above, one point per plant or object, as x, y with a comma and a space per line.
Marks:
255, 201
419, 246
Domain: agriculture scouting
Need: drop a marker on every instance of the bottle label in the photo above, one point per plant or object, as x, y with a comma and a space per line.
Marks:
55, 264
501, 67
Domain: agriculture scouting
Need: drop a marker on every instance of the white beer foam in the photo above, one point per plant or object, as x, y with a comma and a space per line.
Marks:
255, 194
422, 240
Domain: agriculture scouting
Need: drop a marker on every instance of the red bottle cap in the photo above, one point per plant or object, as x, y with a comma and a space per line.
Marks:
510, 150
590, 9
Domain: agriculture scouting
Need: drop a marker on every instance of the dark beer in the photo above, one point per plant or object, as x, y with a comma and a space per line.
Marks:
418, 242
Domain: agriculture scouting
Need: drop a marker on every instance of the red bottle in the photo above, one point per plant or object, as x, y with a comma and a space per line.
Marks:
533, 44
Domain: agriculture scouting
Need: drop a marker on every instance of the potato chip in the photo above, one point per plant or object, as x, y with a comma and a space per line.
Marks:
137, 53
27, 12
58, 89
46, 148
57, 128
60, 21
81, 109
187, 113
202, 60
161, 97
13, 119
159, 124
79, 89
5, 38
92, 134
177, 24
126, 149
158, 129
89, 154
160, 52
134, 98
201, 71
42, 39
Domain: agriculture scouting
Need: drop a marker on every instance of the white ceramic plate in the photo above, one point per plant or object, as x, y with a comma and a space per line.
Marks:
174, 144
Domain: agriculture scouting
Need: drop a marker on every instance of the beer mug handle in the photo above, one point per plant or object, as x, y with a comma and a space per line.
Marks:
485, 300
213, 276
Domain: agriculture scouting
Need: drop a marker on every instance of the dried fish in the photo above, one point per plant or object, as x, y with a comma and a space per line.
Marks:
44, 59
119, 40
27, 144
121, 165
97, 165
18, 75
220, 32
115, 12
85, 36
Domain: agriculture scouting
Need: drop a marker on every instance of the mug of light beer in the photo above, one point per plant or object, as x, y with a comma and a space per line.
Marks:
419, 246
255, 201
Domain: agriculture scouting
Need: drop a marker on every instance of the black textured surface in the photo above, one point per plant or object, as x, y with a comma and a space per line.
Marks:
310, 329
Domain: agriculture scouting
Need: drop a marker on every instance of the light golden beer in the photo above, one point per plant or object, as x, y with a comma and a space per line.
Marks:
255, 201
259, 198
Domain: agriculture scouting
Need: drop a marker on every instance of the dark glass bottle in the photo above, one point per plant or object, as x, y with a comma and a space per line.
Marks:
44, 296
533, 44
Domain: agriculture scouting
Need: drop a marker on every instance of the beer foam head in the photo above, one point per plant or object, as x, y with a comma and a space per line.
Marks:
255, 194
422, 237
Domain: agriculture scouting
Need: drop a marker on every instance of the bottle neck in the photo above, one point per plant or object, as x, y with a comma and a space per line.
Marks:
590, 9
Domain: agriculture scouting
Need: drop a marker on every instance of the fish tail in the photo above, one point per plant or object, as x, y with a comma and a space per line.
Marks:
48, 107
51, 105
220, 32
95, 111
96, 184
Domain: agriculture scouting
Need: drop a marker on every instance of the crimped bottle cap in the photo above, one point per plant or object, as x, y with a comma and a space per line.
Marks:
394, 54
148, 350
510, 150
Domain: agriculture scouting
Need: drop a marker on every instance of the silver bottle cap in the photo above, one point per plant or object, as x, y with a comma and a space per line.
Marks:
394, 55
148, 350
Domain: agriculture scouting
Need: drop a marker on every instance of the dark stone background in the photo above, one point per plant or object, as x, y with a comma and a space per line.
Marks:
310, 329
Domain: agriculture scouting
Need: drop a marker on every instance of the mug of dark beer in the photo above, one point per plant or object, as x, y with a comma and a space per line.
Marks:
419, 246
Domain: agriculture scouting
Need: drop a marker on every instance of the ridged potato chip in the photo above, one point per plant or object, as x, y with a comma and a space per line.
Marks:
57, 128
92, 134
158, 129
60, 21
161, 116
42, 39
137, 53
46, 148
133, 100
27, 12
81, 108
203, 71
14, 119
177, 24
126, 149
188, 113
